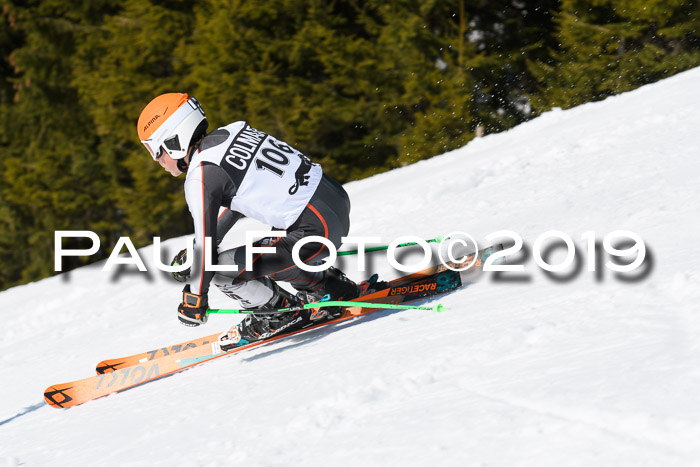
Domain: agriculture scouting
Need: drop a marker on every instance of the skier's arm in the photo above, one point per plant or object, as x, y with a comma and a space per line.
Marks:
227, 219
204, 193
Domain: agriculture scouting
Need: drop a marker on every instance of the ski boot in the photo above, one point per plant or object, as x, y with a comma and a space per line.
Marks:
256, 327
371, 285
334, 286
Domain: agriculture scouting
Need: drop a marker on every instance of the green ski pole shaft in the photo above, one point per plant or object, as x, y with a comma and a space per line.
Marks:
437, 239
384, 306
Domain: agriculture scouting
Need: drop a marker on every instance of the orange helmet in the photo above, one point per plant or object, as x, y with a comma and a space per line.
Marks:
171, 122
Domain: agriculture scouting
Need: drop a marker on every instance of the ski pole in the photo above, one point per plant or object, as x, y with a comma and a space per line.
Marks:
385, 306
437, 239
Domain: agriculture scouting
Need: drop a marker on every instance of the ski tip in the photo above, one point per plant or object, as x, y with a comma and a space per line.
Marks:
439, 308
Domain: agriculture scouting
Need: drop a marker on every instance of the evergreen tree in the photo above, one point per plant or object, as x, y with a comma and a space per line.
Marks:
422, 59
120, 67
359, 85
608, 47
506, 35
10, 227
301, 70
51, 177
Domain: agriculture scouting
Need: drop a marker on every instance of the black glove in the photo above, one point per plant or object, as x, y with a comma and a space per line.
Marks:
180, 259
193, 309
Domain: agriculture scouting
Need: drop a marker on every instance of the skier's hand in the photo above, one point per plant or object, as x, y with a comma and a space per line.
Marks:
193, 309
180, 259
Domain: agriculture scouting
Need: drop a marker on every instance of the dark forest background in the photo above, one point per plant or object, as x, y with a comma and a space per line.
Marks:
360, 86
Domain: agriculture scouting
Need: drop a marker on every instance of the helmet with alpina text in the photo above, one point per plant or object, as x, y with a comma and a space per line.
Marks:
171, 122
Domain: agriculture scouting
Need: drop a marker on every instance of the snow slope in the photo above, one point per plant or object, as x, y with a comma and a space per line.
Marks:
592, 370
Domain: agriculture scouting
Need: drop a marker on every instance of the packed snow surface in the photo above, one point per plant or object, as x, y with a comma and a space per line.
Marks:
575, 368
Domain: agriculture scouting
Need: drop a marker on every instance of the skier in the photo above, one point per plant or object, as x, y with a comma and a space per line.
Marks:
249, 173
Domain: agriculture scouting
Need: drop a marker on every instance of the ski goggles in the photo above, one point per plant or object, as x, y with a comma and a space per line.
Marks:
166, 135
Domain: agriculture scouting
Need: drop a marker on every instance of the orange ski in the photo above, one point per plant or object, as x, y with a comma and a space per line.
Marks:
124, 373
114, 364
110, 365
78, 392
